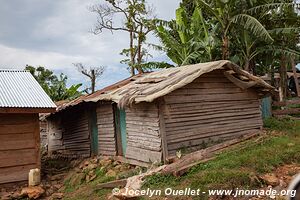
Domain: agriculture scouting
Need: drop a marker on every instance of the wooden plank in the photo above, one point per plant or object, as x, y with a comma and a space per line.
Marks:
223, 97
295, 75
197, 113
19, 128
209, 118
14, 119
27, 110
10, 158
16, 173
17, 141
286, 103
143, 155
288, 111
162, 129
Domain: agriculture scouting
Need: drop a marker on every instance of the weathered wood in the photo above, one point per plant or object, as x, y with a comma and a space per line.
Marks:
288, 111
295, 76
20, 145
27, 110
203, 154
162, 129
106, 129
143, 155
286, 103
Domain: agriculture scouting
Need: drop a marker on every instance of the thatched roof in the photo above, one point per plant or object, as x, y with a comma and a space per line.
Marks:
150, 86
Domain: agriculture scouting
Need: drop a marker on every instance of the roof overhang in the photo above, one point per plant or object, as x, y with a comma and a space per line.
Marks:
26, 110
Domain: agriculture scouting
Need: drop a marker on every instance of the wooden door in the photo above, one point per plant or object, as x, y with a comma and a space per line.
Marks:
121, 133
93, 131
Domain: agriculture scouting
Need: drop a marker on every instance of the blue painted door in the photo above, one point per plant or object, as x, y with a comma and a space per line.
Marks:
122, 115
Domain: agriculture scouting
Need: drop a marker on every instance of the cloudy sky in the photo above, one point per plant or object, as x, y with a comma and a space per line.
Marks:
56, 33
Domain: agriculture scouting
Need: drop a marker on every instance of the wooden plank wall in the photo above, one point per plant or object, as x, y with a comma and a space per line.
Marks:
143, 137
209, 110
106, 130
43, 133
69, 133
19, 149
55, 134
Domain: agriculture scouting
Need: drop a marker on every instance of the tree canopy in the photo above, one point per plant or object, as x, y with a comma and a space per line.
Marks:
54, 86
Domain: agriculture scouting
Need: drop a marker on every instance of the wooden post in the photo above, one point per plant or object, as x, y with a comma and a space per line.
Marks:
295, 76
162, 130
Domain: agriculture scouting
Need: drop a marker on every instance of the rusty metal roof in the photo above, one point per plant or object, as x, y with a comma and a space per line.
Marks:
19, 89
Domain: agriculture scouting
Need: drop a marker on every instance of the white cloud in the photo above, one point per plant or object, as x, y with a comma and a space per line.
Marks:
56, 34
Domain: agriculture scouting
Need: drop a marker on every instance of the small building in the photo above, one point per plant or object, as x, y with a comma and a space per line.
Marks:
21, 101
149, 117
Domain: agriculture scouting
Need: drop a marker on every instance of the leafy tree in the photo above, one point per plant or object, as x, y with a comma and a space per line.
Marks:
138, 24
54, 86
58, 89
43, 76
231, 16
187, 40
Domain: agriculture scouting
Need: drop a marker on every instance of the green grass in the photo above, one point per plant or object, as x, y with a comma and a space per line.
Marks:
235, 168
240, 167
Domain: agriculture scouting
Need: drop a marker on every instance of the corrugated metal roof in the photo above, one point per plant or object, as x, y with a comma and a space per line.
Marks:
19, 89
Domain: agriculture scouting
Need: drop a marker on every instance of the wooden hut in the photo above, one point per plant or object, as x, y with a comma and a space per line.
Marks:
150, 117
21, 101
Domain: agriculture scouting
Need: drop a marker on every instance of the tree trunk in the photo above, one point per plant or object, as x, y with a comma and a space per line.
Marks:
93, 80
225, 47
246, 67
283, 77
295, 76
132, 63
139, 54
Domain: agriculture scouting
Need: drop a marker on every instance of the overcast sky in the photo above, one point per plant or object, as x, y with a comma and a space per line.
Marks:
55, 34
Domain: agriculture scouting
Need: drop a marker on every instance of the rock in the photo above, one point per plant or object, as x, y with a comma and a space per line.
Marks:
57, 177
105, 163
33, 192
5, 195
57, 186
111, 173
57, 196
84, 164
77, 179
93, 177
94, 161
92, 166
115, 163
16, 195
270, 179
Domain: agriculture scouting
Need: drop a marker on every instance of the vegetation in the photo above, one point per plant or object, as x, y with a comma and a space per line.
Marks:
240, 167
138, 23
93, 73
54, 86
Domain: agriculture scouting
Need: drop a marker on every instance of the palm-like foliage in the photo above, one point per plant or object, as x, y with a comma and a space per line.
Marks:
58, 90
231, 17
185, 40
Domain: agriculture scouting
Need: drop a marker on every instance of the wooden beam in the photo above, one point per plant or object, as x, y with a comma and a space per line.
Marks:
162, 129
285, 103
27, 110
295, 76
241, 84
288, 111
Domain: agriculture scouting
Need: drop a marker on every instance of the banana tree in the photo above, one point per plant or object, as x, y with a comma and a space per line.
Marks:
230, 17
187, 41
